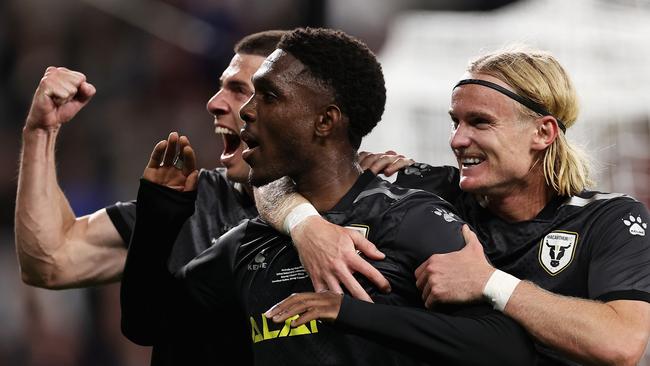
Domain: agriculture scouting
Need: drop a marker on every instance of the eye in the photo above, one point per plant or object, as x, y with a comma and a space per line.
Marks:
269, 97
479, 122
454, 123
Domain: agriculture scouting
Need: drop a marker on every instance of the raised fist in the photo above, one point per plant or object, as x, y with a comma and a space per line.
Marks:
60, 95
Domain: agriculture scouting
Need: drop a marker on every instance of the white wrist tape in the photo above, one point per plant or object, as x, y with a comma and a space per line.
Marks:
499, 288
297, 214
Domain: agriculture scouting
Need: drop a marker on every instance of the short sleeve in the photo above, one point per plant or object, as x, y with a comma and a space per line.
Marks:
430, 226
620, 256
122, 215
440, 180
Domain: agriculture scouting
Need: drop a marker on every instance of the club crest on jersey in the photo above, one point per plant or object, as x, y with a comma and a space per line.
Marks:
556, 250
362, 229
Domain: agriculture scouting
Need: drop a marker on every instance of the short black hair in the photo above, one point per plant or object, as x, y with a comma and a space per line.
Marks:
260, 44
348, 66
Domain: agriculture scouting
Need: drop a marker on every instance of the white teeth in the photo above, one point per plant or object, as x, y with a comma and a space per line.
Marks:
471, 161
223, 130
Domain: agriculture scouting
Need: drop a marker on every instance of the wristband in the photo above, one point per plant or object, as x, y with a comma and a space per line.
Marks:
499, 288
297, 214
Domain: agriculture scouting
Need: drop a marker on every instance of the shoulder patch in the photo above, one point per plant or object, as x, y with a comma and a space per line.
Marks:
556, 250
636, 225
417, 169
446, 215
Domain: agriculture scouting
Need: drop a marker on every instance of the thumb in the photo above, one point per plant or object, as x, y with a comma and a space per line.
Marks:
471, 240
85, 92
191, 181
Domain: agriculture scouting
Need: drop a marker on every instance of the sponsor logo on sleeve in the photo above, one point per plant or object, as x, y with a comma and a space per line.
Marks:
636, 225
556, 251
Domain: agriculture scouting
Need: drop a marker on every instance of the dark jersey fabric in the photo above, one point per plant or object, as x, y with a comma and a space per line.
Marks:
253, 267
594, 245
219, 207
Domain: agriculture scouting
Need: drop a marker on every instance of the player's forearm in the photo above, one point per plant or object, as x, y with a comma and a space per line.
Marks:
149, 290
585, 330
276, 200
43, 214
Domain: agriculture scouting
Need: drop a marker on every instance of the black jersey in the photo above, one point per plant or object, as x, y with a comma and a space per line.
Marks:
593, 245
220, 206
253, 267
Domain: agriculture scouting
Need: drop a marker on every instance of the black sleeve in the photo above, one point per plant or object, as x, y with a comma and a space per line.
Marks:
620, 256
439, 180
472, 336
428, 226
122, 215
147, 286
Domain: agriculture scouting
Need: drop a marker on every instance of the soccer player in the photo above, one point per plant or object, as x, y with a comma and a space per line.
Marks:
59, 251
63, 251
582, 256
315, 98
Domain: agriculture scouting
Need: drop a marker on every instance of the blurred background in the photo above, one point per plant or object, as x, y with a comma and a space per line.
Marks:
156, 63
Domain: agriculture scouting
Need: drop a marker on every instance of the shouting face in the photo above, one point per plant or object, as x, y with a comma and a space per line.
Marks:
236, 88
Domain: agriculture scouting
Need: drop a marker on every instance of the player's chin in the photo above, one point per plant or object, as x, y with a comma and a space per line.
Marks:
470, 184
239, 172
258, 177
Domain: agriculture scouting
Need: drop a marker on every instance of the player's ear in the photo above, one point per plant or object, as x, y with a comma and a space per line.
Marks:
546, 132
328, 120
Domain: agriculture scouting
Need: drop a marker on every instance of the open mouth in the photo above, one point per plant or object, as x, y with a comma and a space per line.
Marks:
249, 140
231, 139
470, 162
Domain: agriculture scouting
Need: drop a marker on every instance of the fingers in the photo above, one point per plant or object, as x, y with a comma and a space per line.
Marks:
333, 284
188, 156
365, 246
191, 182
397, 165
157, 154
387, 163
170, 151
319, 284
308, 305
420, 275
353, 286
62, 85
369, 160
85, 92
359, 265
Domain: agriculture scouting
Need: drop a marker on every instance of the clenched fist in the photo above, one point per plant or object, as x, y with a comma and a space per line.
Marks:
60, 95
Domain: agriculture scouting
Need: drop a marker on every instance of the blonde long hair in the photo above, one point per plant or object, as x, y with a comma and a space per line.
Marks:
539, 76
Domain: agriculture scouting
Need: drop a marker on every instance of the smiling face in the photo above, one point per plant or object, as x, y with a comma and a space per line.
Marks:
280, 118
491, 140
236, 89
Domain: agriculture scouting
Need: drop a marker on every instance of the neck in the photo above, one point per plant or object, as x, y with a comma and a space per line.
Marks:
328, 180
519, 205
245, 188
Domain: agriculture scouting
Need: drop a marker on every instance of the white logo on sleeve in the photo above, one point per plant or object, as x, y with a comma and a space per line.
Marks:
448, 216
637, 227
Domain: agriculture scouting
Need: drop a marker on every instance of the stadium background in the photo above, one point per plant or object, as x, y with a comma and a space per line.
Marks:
155, 64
